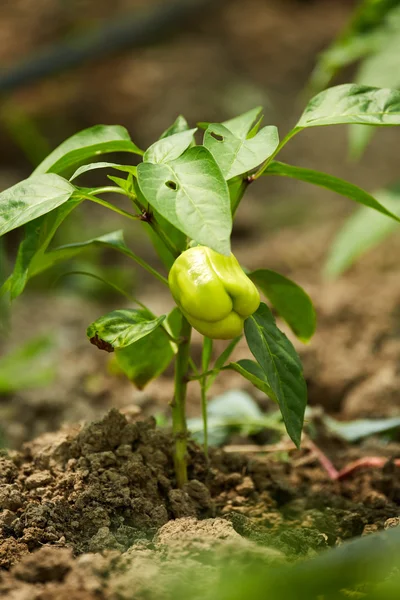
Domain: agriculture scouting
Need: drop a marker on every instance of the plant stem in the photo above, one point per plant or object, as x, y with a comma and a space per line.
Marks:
205, 362
179, 426
124, 249
260, 171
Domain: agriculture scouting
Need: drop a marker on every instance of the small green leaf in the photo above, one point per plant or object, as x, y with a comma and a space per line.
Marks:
123, 327
103, 165
361, 232
32, 198
290, 301
147, 358
361, 428
237, 155
169, 148
240, 126
97, 140
329, 182
192, 195
180, 124
44, 261
38, 235
351, 103
251, 371
282, 368
124, 184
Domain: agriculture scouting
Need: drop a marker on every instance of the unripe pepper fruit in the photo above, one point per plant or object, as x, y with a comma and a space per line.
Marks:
213, 292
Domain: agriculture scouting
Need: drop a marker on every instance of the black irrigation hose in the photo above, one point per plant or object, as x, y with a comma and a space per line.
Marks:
127, 31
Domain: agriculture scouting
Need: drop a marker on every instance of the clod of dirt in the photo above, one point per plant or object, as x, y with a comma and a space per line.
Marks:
111, 484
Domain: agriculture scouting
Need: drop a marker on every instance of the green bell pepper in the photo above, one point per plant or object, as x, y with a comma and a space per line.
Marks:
213, 292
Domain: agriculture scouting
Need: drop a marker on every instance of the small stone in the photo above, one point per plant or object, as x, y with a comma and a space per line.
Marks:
246, 487
392, 522
38, 480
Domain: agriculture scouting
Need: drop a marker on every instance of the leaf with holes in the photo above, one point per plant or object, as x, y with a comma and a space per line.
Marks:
237, 155
282, 368
147, 358
289, 299
192, 195
97, 140
169, 148
32, 198
351, 103
121, 328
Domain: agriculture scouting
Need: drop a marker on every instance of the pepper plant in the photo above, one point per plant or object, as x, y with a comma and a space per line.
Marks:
186, 196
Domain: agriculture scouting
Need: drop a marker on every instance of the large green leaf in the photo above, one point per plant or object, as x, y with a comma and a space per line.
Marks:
252, 371
282, 367
237, 155
289, 299
103, 165
361, 232
177, 237
382, 69
32, 198
123, 327
351, 103
192, 195
328, 182
147, 358
46, 260
169, 148
97, 140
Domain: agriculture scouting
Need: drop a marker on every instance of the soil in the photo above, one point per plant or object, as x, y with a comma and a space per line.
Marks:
109, 486
89, 504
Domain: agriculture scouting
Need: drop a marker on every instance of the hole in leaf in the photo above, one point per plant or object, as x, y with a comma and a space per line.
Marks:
171, 185
217, 136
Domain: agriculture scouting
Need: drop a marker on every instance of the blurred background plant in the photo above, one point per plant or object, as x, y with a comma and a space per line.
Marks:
371, 42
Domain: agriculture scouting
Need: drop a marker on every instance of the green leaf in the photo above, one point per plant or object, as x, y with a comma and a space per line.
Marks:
44, 261
237, 187
29, 366
221, 360
38, 235
169, 148
180, 124
240, 126
103, 165
351, 103
251, 371
290, 301
361, 232
123, 327
124, 184
97, 140
192, 195
178, 238
329, 182
361, 428
281, 366
147, 358
237, 155
382, 69
32, 198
